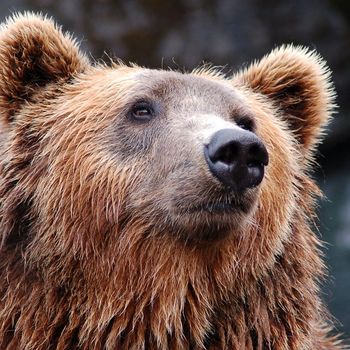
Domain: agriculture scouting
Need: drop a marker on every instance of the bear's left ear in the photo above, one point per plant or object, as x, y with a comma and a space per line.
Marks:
34, 52
298, 82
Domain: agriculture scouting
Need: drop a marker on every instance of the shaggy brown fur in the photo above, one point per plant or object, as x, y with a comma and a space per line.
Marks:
102, 243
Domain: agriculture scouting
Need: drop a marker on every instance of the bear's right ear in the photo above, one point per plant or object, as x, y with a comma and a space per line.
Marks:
34, 52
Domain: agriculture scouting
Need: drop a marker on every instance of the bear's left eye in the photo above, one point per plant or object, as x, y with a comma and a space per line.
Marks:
142, 111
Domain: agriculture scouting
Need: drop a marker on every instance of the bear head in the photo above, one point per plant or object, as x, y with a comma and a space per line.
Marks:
117, 175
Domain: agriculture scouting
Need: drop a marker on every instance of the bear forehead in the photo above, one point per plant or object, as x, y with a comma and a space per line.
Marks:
182, 89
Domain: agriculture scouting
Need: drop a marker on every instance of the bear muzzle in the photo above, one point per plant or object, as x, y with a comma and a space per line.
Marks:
237, 158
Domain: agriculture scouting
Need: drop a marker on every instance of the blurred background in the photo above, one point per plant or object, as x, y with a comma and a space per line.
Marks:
231, 33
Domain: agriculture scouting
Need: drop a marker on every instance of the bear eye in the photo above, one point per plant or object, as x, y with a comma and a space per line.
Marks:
246, 123
142, 111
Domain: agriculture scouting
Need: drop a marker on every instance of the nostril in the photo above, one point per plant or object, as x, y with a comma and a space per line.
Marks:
257, 155
226, 153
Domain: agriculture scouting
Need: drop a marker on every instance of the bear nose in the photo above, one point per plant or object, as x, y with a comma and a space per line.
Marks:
237, 158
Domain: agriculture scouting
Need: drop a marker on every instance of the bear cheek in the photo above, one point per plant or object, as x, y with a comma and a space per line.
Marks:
277, 199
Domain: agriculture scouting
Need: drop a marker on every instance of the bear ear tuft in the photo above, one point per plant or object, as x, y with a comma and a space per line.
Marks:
298, 82
33, 53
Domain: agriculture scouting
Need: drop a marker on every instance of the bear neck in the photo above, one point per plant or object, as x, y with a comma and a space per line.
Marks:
162, 295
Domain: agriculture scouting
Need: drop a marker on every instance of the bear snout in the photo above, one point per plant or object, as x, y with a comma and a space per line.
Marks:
237, 158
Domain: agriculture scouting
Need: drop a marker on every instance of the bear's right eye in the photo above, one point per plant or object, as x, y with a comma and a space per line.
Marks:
142, 111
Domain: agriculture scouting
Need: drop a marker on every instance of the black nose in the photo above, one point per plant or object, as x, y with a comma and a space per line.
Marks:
237, 158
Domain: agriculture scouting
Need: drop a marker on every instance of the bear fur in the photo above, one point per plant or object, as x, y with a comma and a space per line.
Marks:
102, 245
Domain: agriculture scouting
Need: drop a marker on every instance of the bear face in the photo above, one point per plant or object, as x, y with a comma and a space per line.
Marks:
168, 147
171, 198
183, 196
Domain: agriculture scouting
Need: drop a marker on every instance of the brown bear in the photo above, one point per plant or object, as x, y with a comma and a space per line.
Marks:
152, 209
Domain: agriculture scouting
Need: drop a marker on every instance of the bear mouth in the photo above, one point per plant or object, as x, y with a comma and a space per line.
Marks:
209, 220
225, 207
